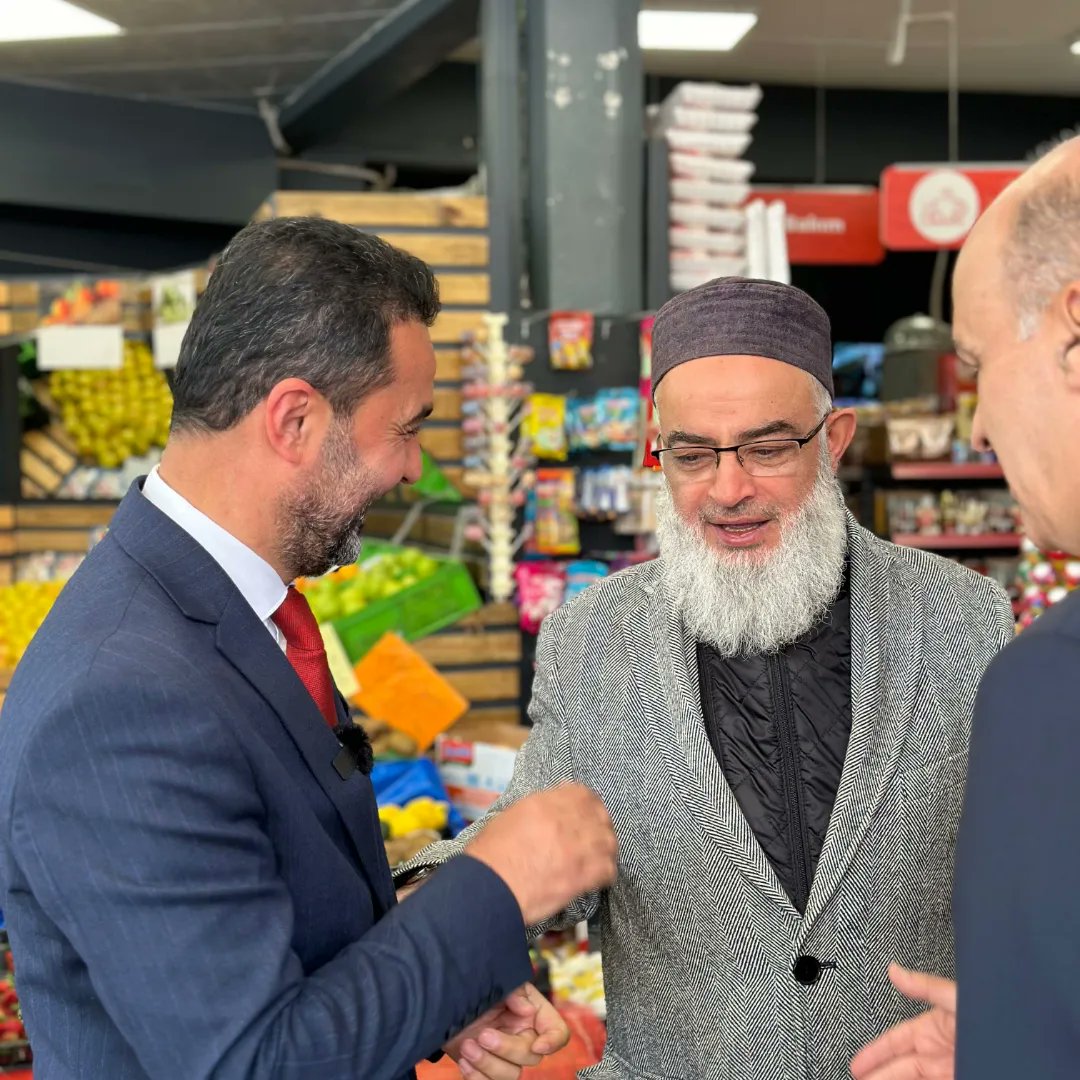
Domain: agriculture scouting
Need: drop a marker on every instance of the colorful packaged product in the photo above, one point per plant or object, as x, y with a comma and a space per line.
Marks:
554, 520
583, 425
541, 588
581, 574
618, 413
570, 340
545, 426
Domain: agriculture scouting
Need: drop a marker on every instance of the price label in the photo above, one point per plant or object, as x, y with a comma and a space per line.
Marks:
80, 348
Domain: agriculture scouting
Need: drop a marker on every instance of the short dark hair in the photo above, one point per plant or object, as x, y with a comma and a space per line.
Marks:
298, 298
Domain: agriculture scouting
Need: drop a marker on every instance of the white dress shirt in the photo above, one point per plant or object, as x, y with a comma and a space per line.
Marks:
257, 580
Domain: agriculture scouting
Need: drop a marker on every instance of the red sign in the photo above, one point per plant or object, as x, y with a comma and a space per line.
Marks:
829, 224
928, 207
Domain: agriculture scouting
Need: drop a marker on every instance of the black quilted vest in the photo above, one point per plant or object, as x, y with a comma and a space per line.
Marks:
779, 725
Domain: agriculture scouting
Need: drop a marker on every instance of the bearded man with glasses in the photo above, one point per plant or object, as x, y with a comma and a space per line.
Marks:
776, 713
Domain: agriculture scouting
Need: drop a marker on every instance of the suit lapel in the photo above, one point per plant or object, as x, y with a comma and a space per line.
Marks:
266, 669
672, 705
205, 593
886, 627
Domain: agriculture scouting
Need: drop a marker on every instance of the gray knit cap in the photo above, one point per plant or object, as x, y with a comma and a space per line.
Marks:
743, 317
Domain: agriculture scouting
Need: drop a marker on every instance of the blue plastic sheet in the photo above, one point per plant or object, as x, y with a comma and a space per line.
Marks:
397, 783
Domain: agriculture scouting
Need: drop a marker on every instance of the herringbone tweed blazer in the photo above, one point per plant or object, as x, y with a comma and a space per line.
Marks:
699, 938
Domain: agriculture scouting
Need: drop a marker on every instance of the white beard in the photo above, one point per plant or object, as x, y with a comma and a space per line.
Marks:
744, 604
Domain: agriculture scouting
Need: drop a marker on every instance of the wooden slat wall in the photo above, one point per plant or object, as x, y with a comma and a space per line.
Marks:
57, 526
481, 657
7, 544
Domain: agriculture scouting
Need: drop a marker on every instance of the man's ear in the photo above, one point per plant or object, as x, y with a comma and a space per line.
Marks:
841, 430
1070, 315
294, 419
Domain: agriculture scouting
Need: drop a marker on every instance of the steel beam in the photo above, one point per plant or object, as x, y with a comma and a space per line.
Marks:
40, 242
586, 159
395, 53
68, 150
657, 222
502, 150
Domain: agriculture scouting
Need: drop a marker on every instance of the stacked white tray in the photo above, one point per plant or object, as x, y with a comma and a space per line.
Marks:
708, 128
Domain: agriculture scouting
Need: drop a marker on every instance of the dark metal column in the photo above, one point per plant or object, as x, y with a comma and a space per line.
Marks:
10, 423
502, 149
586, 160
657, 221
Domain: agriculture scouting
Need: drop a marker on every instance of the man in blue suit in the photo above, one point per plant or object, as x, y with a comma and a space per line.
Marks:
191, 863
1015, 1011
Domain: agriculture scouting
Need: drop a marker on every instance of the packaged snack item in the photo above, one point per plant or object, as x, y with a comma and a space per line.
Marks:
605, 492
570, 340
541, 587
545, 426
618, 413
649, 429
584, 427
555, 523
581, 574
1043, 574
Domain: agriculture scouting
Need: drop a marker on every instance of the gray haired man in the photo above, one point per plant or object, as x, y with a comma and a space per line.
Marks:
1016, 296
775, 712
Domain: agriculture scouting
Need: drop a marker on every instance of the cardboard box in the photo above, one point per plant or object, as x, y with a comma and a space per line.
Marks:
475, 774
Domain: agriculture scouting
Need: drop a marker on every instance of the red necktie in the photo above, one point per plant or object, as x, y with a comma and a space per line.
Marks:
305, 651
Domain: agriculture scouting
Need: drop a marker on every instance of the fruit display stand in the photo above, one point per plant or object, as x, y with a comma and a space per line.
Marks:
40, 545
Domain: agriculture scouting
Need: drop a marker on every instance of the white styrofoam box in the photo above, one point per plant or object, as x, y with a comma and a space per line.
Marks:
705, 240
708, 142
692, 262
716, 96
706, 167
707, 191
682, 282
735, 123
711, 217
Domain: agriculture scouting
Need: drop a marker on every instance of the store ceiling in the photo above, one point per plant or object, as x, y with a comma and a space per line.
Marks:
1019, 46
236, 51
233, 51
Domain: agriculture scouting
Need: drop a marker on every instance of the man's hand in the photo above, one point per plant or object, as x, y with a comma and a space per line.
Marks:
521, 1031
550, 848
919, 1049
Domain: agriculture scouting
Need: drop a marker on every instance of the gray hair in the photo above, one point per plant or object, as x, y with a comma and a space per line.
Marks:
1042, 254
823, 400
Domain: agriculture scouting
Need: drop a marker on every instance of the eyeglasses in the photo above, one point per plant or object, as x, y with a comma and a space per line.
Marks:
772, 457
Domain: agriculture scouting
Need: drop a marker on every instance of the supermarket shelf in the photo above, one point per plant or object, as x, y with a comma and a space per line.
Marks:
946, 470
959, 542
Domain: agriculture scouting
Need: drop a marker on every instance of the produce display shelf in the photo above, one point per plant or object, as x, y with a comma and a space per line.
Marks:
959, 542
946, 470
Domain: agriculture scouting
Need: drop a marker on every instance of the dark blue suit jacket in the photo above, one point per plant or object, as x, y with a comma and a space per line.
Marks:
1018, 863
191, 888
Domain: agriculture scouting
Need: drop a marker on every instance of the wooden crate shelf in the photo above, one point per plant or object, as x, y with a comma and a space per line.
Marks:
377, 209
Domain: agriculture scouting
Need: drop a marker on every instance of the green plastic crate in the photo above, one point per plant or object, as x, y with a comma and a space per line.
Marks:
422, 609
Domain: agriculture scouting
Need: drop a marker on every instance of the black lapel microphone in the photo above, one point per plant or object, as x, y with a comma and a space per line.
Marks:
356, 753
